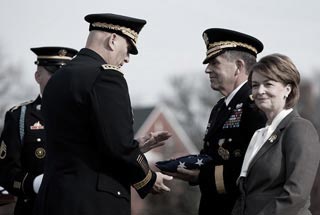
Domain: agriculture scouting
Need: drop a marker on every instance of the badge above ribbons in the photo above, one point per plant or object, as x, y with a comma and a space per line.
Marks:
37, 126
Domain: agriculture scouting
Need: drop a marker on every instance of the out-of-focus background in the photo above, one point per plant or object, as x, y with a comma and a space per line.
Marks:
168, 86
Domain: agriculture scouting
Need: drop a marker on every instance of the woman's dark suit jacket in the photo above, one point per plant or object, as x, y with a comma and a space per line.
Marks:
281, 175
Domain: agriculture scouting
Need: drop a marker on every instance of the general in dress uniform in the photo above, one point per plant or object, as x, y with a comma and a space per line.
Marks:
22, 149
233, 119
92, 158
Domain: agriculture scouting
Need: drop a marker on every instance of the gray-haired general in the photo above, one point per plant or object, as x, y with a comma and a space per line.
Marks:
92, 156
232, 121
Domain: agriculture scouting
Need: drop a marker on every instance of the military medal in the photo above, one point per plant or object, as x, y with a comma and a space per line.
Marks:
224, 153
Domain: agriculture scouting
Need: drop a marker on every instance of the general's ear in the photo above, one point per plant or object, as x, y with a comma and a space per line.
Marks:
111, 41
240, 66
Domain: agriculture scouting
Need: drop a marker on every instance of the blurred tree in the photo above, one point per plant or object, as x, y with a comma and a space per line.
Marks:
13, 90
309, 101
191, 100
308, 107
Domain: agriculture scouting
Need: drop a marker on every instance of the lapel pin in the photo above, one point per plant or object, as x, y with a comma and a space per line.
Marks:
273, 138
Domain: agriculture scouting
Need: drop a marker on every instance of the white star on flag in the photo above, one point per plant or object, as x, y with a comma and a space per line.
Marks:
182, 165
199, 162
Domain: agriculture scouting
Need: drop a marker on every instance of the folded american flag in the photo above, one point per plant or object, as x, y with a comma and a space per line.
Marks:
187, 162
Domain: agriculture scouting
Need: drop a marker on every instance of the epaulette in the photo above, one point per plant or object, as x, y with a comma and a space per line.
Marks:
109, 66
19, 105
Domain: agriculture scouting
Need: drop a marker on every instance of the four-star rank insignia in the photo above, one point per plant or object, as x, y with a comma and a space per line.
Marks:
112, 67
186, 162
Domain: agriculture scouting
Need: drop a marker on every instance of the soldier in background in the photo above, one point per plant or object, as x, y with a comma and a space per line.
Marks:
22, 149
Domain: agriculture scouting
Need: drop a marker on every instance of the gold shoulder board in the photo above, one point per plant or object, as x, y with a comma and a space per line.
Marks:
109, 66
19, 105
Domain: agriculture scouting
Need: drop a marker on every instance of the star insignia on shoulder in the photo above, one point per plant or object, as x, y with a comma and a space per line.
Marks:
111, 67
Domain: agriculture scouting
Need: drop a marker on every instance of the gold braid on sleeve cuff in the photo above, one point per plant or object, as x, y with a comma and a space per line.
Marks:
143, 183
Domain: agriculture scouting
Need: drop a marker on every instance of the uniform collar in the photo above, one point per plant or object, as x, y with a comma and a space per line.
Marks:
233, 93
92, 54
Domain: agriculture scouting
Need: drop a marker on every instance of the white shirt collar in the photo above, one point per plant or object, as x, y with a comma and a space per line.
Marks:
231, 95
276, 121
259, 139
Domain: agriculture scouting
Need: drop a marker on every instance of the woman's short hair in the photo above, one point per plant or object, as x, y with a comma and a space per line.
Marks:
280, 68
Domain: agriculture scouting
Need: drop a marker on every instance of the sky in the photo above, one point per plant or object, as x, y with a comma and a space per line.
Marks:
171, 42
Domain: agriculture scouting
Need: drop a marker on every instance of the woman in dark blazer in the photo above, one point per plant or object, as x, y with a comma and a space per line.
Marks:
281, 161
